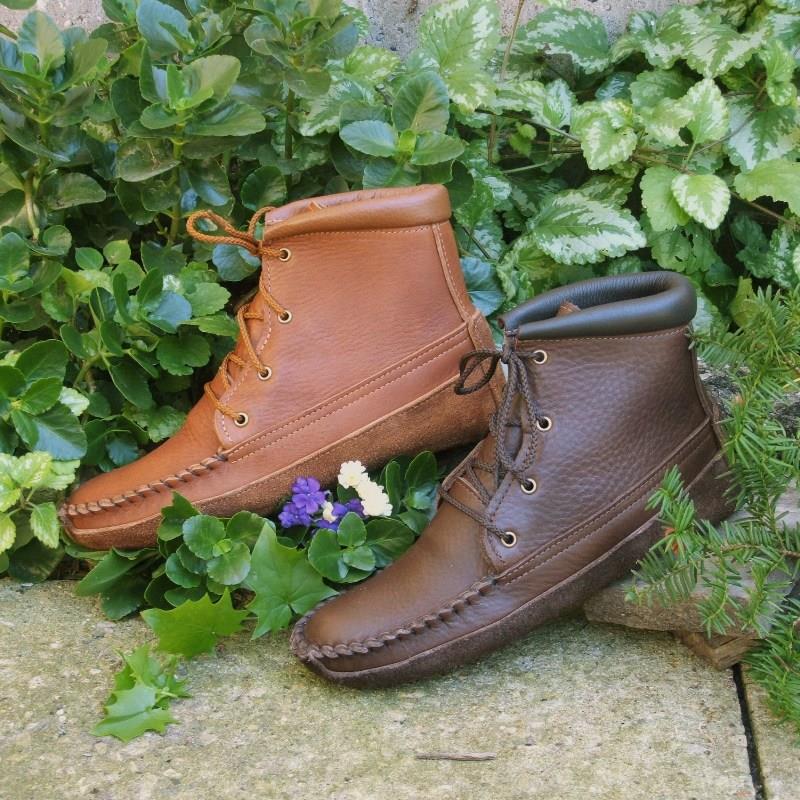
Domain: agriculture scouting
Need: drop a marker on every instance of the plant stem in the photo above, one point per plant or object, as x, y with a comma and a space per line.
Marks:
30, 212
175, 214
490, 142
288, 143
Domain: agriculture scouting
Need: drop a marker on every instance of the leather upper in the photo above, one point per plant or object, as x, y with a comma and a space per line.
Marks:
338, 367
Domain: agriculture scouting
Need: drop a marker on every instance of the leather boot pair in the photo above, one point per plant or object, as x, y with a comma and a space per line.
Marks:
602, 398
349, 350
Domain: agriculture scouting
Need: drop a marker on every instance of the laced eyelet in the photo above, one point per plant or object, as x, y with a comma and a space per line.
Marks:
528, 486
544, 423
241, 419
539, 356
285, 317
284, 254
508, 538
265, 374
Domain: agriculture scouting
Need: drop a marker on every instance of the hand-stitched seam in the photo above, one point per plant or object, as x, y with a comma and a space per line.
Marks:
377, 379
686, 451
418, 625
355, 233
183, 476
681, 329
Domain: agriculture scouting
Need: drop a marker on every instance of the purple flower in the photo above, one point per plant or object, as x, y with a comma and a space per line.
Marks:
291, 516
339, 510
307, 495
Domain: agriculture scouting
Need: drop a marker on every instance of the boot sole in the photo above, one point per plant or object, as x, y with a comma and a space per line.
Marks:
707, 490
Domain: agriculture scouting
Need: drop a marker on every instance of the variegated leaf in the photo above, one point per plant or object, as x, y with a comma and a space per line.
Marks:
664, 121
574, 32
778, 179
574, 229
459, 36
323, 111
652, 86
760, 135
8, 532
371, 64
779, 63
703, 197
605, 133
662, 208
709, 112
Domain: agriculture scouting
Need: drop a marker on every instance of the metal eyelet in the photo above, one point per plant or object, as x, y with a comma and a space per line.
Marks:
539, 356
284, 254
508, 538
285, 317
544, 423
265, 374
528, 486
241, 419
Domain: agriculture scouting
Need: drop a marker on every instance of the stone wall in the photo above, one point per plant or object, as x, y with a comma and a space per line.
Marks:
394, 22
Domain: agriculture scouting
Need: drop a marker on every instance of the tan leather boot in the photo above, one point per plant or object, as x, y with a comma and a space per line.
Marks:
603, 397
349, 351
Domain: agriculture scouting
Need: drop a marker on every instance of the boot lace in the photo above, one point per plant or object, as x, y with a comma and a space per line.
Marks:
249, 242
531, 418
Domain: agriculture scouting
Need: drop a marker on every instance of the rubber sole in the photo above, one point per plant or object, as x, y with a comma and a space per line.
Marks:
708, 492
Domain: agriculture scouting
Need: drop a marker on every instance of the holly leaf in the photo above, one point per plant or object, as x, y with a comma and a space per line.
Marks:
663, 210
131, 713
195, 626
574, 229
703, 197
778, 178
284, 583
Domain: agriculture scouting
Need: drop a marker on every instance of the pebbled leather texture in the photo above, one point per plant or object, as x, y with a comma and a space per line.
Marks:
625, 407
346, 383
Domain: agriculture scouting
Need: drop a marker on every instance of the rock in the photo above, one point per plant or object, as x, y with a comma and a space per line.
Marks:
722, 652
574, 710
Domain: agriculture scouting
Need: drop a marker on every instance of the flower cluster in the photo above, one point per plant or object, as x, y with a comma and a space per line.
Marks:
310, 505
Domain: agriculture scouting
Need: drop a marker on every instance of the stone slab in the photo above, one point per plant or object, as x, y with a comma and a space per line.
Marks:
777, 745
721, 652
573, 711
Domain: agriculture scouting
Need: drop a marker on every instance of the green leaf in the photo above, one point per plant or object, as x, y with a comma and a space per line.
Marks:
131, 381
265, 186
56, 431
163, 27
709, 112
284, 583
173, 517
117, 251
233, 263
371, 137
571, 32
606, 138
703, 197
211, 74
195, 626
44, 524
663, 209
207, 298
8, 532
422, 470
201, 533
167, 311
351, 531
180, 355
421, 105
760, 134
65, 190
131, 712
777, 178
231, 568
40, 395
664, 121
141, 159
39, 36
325, 555
388, 538
574, 229
434, 148
230, 118
105, 575
482, 284
177, 572
780, 65
46, 359
126, 597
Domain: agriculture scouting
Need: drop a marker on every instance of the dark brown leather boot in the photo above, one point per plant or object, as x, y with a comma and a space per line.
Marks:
603, 397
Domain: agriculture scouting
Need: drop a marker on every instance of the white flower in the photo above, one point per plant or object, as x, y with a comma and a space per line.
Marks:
374, 499
327, 512
351, 474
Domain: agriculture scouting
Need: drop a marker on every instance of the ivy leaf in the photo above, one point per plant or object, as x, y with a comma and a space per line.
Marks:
421, 105
760, 135
131, 713
195, 626
44, 524
284, 583
709, 112
777, 178
703, 197
663, 210
572, 32
372, 137
574, 229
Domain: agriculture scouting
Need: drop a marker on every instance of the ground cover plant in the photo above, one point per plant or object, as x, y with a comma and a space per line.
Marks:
566, 155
